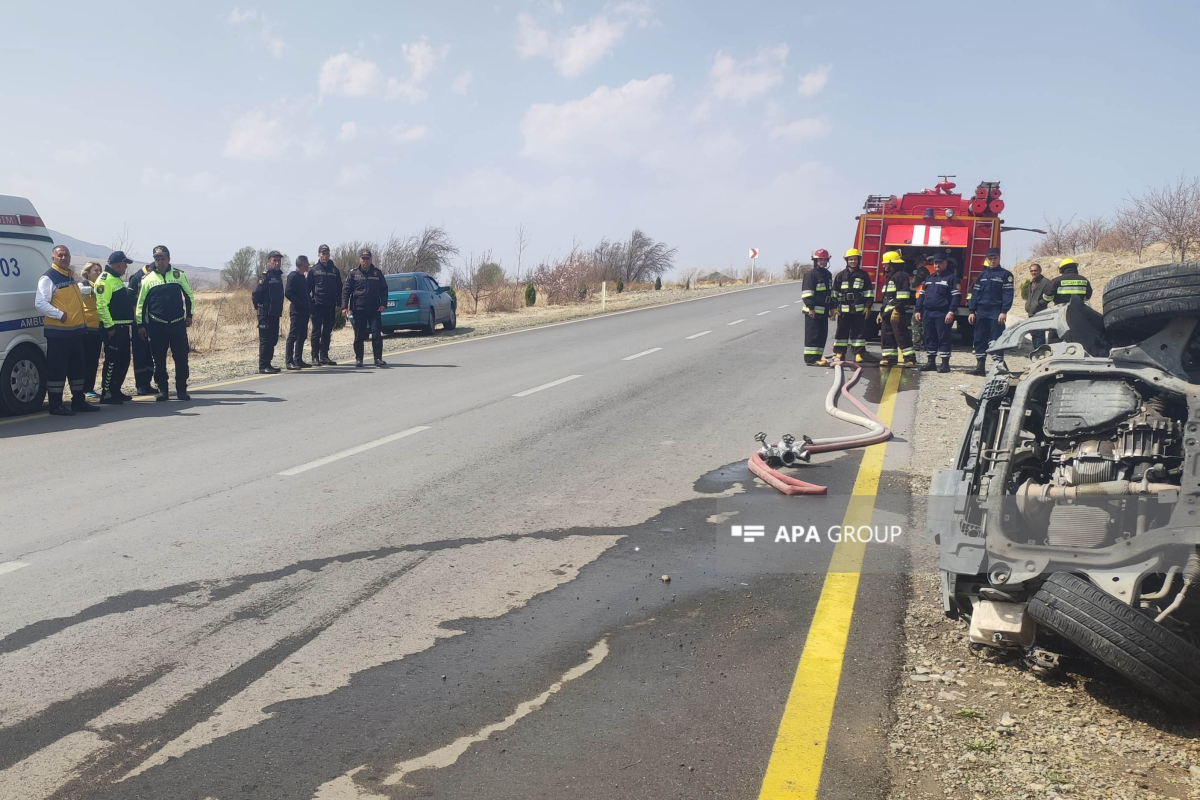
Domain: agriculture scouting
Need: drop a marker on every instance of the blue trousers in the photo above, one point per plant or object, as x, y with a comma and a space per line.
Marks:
937, 333
987, 330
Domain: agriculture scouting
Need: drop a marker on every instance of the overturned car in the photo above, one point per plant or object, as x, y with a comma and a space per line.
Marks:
1073, 507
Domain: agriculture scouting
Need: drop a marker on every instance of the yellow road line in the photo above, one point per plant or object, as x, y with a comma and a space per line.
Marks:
794, 771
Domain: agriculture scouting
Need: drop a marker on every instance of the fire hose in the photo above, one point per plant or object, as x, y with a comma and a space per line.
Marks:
786, 453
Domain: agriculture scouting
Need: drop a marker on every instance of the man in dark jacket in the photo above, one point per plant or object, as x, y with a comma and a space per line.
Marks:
164, 313
937, 300
989, 301
143, 362
268, 302
853, 293
1034, 302
815, 294
299, 309
365, 296
114, 304
1068, 285
325, 290
895, 325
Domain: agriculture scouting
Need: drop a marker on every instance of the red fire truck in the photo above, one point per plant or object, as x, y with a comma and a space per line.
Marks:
919, 224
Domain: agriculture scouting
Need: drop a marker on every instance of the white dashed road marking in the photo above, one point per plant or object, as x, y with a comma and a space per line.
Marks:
528, 392
353, 451
12, 566
759, 314
735, 322
697, 335
643, 353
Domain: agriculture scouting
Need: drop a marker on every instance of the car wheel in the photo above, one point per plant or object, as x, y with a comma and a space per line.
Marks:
1122, 637
23, 380
1139, 302
451, 323
428, 327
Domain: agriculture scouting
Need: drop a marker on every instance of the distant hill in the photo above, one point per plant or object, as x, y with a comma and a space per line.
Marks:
78, 247
82, 251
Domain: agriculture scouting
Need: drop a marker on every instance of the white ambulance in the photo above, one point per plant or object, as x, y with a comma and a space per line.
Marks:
25, 247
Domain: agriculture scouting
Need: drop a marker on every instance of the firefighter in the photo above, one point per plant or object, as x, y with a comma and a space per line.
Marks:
989, 301
268, 303
60, 303
299, 310
936, 300
365, 296
114, 304
164, 313
814, 294
325, 289
853, 293
1068, 285
895, 326
143, 364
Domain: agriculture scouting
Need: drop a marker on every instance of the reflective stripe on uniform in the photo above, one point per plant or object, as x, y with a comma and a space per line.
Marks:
806, 293
813, 351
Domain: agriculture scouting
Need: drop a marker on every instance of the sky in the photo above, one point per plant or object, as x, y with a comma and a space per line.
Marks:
713, 126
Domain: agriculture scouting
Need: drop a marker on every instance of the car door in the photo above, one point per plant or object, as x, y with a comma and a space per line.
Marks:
440, 300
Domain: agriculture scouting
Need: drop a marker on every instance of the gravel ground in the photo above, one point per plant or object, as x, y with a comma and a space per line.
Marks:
969, 727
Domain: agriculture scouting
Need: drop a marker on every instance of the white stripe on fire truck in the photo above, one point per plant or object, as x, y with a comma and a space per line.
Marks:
919, 235
935, 235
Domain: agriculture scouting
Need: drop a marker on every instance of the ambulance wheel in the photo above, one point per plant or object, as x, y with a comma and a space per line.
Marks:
23, 380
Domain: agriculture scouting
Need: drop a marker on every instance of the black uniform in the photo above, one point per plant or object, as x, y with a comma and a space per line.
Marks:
1067, 286
853, 293
325, 290
363, 295
895, 322
815, 294
299, 310
143, 361
268, 301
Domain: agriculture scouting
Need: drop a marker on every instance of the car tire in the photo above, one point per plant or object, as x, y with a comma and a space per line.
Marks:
451, 323
428, 327
1135, 301
23, 380
1122, 637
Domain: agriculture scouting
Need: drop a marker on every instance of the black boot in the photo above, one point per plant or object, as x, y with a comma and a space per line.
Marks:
181, 393
80, 403
980, 366
292, 365
327, 361
162, 395
110, 400
930, 364
944, 366
57, 409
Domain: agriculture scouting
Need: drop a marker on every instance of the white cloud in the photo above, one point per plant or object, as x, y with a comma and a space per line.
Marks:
744, 80
619, 121
349, 132
255, 137
461, 83
404, 90
490, 187
402, 133
353, 175
238, 16
345, 75
813, 82
421, 58
273, 43
807, 128
82, 152
577, 50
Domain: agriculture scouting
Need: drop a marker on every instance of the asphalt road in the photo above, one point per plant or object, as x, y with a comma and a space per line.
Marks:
443, 578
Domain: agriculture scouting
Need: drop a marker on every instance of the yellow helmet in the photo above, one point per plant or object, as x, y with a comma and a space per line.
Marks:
852, 253
892, 257
1067, 262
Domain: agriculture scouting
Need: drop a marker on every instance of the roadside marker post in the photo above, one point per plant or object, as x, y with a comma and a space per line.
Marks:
753, 258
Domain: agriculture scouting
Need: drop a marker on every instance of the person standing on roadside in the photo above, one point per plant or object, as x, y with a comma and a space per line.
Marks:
299, 310
114, 304
268, 302
325, 291
815, 297
989, 302
143, 362
164, 313
1034, 302
1068, 285
936, 301
895, 326
365, 295
60, 303
93, 341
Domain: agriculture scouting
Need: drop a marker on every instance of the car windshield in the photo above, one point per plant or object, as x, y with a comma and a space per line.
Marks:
401, 283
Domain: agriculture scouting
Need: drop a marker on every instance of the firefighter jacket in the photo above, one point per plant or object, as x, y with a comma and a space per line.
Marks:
1067, 286
268, 295
59, 302
324, 284
296, 292
852, 291
164, 297
939, 293
897, 292
814, 291
114, 301
992, 294
365, 289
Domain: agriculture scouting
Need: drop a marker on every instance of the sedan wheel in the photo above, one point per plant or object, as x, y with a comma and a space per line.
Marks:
427, 329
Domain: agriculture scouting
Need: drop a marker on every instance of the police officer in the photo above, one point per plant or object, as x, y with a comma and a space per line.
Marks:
365, 295
299, 310
853, 293
936, 301
1068, 285
60, 303
325, 290
895, 327
814, 294
114, 304
143, 363
989, 301
164, 313
268, 302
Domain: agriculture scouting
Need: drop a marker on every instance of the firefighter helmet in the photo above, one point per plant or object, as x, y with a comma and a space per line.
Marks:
892, 257
1067, 262
820, 252
852, 253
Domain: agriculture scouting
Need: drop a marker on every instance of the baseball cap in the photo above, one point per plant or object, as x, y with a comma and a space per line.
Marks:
274, 254
161, 250
323, 248
366, 251
937, 258
118, 256
992, 252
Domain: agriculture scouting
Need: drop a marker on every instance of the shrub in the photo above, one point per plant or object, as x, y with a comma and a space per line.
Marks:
530, 294
505, 298
453, 296
620, 285
1025, 289
657, 283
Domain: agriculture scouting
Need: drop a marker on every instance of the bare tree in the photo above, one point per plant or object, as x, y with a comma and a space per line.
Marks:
1062, 238
1091, 232
1173, 213
123, 241
473, 276
1134, 229
522, 244
795, 270
646, 259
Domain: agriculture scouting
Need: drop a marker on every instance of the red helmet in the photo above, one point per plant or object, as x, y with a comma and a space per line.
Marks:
820, 252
